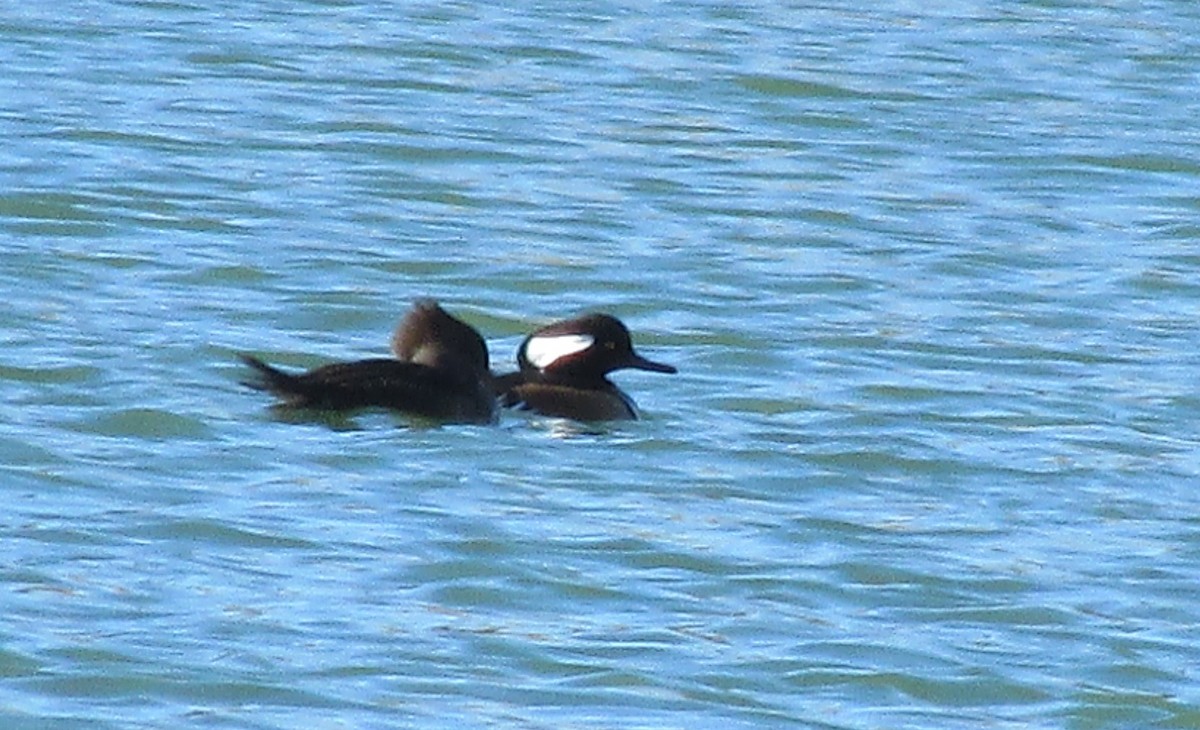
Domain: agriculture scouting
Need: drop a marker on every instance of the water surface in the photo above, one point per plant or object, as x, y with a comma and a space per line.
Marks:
928, 274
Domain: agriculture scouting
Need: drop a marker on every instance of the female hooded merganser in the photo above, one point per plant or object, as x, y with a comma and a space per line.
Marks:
441, 372
563, 369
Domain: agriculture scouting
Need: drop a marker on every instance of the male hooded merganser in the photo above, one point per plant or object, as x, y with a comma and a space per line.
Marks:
563, 369
441, 372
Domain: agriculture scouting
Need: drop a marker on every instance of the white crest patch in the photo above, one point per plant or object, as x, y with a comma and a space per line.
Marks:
542, 352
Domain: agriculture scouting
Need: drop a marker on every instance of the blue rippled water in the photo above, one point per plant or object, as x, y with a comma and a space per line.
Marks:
929, 273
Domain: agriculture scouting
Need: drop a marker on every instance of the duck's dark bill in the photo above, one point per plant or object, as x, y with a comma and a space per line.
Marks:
640, 363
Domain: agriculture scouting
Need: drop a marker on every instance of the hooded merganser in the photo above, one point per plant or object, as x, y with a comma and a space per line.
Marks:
441, 372
563, 368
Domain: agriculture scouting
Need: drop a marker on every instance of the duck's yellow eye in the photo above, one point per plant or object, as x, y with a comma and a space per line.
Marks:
610, 345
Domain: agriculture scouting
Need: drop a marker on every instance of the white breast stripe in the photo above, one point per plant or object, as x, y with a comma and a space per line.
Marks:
541, 352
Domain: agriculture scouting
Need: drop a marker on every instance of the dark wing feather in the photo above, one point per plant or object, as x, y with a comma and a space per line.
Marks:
383, 383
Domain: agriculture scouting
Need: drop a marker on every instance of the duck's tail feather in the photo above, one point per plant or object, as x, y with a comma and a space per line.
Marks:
271, 378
